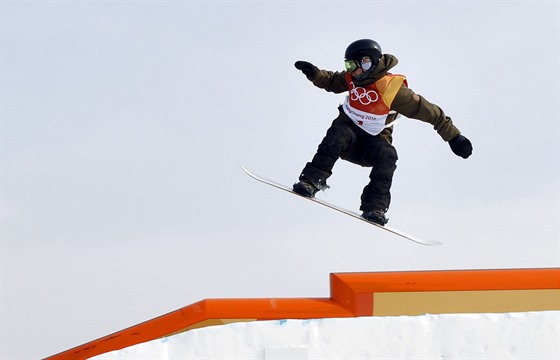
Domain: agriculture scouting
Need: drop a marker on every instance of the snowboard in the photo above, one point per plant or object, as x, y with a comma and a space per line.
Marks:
340, 209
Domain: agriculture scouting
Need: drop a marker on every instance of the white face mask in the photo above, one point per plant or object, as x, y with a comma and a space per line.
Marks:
366, 63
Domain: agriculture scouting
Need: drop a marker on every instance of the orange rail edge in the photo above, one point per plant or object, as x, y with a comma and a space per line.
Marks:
354, 295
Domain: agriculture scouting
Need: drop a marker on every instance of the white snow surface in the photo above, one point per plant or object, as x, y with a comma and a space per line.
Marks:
530, 335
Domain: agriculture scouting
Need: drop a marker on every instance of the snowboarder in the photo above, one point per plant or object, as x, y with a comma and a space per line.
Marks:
362, 132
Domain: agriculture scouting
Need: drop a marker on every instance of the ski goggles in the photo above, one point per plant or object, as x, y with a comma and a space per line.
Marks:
353, 65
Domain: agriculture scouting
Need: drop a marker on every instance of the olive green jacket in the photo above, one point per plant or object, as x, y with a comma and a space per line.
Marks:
406, 102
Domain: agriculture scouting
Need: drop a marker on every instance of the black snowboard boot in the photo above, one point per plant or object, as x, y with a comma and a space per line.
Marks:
308, 189
375, 216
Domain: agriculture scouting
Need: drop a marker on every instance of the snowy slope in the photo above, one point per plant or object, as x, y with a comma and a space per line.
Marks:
532, 335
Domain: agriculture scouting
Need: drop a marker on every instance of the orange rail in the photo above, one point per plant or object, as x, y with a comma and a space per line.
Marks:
352, 294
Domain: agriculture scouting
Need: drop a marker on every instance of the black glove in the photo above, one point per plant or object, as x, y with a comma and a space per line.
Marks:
307, 68
461, 146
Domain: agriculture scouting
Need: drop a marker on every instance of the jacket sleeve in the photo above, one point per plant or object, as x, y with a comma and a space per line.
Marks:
334, 82
415, 106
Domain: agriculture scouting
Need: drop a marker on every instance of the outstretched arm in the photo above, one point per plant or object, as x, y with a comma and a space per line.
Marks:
334, 82
417, 107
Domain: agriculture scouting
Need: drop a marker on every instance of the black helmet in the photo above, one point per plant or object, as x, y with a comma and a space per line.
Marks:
364, 47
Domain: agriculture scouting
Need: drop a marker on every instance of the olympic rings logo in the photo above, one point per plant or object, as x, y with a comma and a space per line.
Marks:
362, 95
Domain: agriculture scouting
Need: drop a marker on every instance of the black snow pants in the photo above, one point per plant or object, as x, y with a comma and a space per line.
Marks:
347, 141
